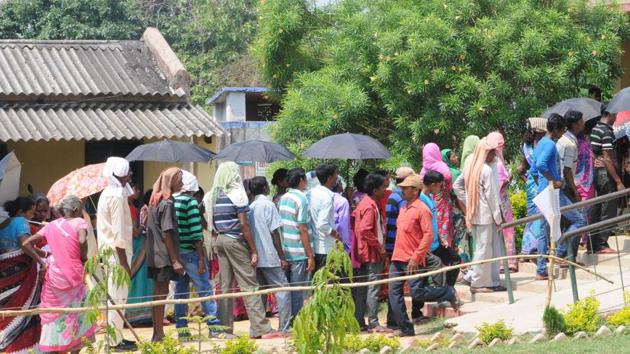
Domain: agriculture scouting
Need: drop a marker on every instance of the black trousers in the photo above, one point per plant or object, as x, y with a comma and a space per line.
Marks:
432, 263
449, 257
603, 211
418, 289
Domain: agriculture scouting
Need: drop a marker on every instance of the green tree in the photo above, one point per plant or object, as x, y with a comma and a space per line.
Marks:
413, 71
77, 19
211, 37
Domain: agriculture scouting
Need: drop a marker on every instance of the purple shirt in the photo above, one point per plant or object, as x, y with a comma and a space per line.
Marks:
342, 219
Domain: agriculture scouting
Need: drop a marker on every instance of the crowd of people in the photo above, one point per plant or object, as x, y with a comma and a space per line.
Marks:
241, 237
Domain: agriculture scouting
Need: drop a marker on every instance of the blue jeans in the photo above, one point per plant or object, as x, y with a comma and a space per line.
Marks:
297, 276
576, 220
275, 277
202, 285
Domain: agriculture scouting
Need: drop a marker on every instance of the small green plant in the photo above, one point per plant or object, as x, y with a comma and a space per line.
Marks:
100, 268
488, 332
621, 317
328, 317
168, 345
554, 321
518, 200
583, 316
374, 343
241, 345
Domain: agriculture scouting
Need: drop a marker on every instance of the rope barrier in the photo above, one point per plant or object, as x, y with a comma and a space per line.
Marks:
37, 311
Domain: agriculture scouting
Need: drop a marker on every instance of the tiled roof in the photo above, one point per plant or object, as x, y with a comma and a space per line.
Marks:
79, 68
104, 121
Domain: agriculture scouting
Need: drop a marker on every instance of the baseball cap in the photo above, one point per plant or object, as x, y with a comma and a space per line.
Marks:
413, 180
404, 172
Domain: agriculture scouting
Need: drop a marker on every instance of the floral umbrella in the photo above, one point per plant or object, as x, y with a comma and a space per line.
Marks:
82, 183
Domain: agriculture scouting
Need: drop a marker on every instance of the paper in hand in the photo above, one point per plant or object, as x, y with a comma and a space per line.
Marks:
548, 202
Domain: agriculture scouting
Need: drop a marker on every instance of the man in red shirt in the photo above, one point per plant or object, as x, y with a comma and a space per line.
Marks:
414, 236
370, 251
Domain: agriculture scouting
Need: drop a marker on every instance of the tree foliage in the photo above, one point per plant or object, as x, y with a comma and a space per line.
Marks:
208, 35
413, 71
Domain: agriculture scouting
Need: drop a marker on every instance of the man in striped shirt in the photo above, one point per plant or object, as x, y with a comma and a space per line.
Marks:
296, 242
192, 255
606, 179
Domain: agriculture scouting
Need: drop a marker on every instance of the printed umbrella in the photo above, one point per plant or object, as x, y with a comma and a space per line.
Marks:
255, 151
81, 183
170, 151
10, 169
347, 147
589, 108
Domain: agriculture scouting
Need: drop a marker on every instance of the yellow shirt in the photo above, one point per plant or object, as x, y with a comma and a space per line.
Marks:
114, 227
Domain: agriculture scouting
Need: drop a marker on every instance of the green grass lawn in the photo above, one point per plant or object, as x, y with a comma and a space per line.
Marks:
617, 344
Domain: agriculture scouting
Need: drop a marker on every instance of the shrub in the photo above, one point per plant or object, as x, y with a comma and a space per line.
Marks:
488, 332
168, 345
518, 199
241, 345
621, 317
554, 321
583, 316
374, 343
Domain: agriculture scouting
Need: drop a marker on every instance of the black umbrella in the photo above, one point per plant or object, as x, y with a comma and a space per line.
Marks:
170, 151
589, 108
255, 151
347, 146
620, 101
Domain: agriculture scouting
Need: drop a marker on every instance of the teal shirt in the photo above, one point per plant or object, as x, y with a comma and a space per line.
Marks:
430, 203
293, 213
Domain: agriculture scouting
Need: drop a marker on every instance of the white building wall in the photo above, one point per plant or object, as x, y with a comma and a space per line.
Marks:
235, 107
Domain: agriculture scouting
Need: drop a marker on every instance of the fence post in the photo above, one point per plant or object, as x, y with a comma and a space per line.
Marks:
571, 251
506, 269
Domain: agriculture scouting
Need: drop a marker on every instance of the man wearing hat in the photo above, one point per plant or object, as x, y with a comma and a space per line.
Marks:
411, 254
394, 203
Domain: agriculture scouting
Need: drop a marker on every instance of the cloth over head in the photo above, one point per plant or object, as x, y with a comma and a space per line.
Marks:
472, 176
115, 167
496, 138
227, 180
432, 161
537, 124
470, 144
190, 182
446, 157
163, 187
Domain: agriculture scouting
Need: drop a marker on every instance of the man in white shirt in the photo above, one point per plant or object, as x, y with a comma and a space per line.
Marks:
568, 150
115, 231
322, 213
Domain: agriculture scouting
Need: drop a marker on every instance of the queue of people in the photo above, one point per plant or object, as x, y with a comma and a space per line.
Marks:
390, 224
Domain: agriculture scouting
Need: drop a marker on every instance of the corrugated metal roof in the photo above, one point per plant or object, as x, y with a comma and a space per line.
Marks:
218, 96
104, 121
79, 68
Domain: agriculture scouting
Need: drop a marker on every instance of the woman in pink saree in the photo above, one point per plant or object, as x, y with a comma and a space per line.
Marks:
63, 282
504, 196
432, 161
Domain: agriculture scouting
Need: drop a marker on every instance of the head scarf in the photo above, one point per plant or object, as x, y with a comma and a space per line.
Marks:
163, 187
472, 175
190, 182
115, 167
470, 144
432, 161
227, 180
446, 154
495, 138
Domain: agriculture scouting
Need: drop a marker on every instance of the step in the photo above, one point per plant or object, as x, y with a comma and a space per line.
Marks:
464, 294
